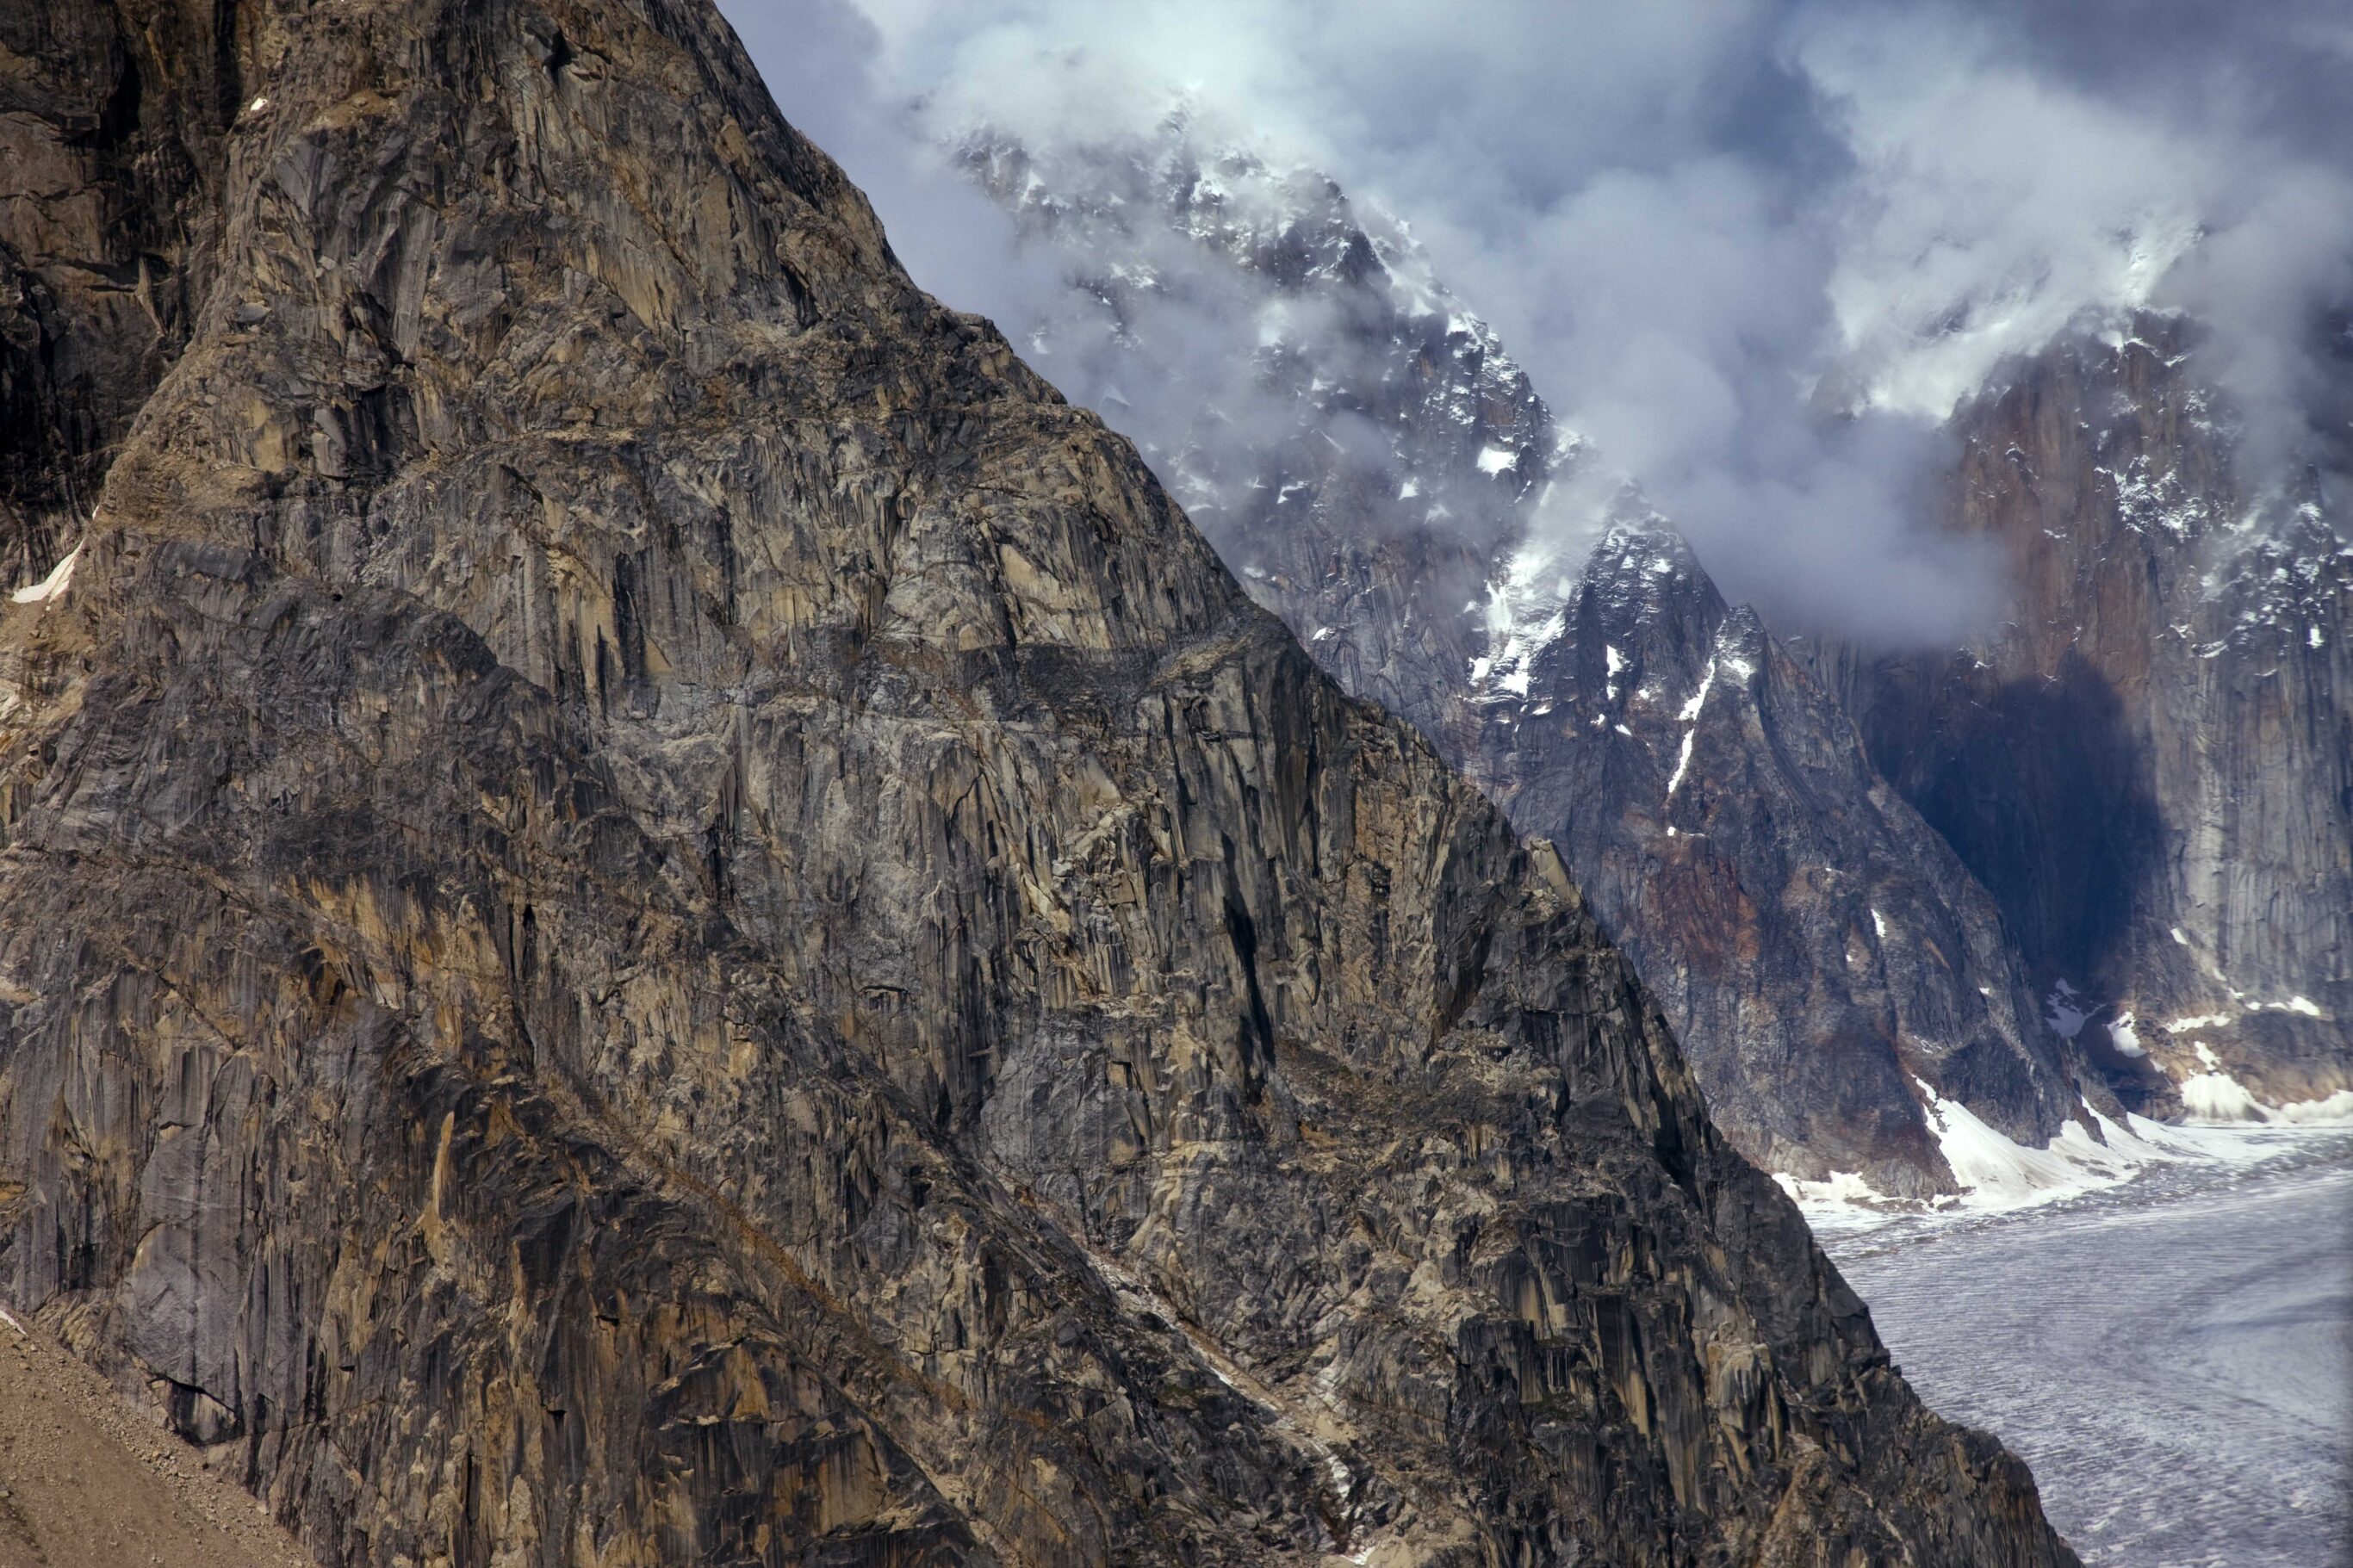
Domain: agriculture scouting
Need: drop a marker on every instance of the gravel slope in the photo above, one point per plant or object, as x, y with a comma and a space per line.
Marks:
86, 1483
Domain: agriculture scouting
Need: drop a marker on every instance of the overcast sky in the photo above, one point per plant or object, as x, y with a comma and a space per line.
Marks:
1755, 249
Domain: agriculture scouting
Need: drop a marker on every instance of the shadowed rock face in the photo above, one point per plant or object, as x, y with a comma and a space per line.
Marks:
111, 161
1826, 950
658, 911
2151, 765
1400, 497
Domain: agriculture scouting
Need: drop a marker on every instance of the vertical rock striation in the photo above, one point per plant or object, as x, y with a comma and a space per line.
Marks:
657, 910
111, 139
1400, 496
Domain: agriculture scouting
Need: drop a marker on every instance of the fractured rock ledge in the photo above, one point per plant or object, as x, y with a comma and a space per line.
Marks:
658, 911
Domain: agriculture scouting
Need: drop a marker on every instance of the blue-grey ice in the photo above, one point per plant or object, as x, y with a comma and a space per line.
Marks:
2174, 1356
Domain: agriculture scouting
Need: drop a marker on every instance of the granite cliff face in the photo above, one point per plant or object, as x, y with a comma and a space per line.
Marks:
1406, 503
111, 197
2151, 763
1845, 981
657, 910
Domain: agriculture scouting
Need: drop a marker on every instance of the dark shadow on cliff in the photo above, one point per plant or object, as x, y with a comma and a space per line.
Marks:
2042, 790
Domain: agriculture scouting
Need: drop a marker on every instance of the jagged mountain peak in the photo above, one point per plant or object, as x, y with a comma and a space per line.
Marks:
659, 910
1330, 326
2146, 762
1525, 604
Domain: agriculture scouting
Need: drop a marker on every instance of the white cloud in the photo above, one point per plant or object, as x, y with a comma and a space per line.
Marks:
1756, 250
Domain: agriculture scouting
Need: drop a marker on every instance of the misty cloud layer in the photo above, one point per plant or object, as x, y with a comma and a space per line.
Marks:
1757, 252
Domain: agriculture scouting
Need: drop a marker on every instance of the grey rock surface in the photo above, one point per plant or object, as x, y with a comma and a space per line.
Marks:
1825, 953
111, 150
2150, 763
1401, 497
656, 910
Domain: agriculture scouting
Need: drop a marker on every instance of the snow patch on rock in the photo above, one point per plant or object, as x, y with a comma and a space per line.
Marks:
2218, 1097
1524, 615
2067, 1012
52, 586
2214, 1098
2124, 1036
1844, 1189
1995, 1172
1682, 764
2332, 1111
1999, 1175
